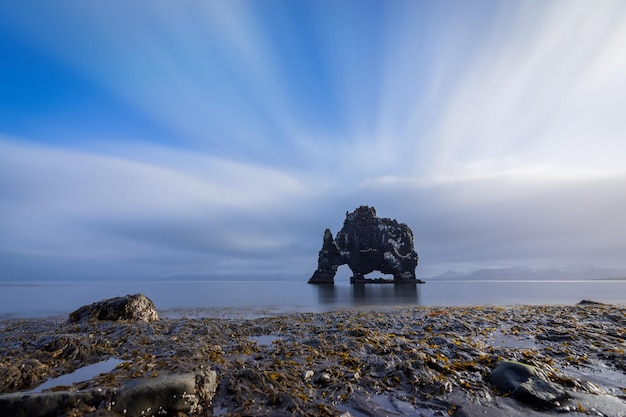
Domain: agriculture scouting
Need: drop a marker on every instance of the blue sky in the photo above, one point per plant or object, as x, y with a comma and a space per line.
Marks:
156, 139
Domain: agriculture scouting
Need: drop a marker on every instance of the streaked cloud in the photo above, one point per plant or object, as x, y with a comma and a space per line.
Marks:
216, 136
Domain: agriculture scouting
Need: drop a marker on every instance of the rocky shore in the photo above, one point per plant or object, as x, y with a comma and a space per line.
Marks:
460, 361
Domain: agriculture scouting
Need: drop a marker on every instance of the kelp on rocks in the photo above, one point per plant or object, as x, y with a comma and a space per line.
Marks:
372, 362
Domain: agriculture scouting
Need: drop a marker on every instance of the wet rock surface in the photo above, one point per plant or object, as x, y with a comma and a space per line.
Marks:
48, 404
166, 394
527, 384
135, 307
408, 362
367, 243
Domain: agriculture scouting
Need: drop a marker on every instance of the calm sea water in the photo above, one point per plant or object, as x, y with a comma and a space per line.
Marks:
257, 298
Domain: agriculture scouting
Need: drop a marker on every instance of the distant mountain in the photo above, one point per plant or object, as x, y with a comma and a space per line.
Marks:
521, 273
241, 276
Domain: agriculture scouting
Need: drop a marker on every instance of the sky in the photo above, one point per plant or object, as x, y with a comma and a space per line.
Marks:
156, 139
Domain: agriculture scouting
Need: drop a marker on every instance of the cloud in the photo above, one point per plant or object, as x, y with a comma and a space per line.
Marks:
94, 213
493, 129
534, 95
407, 90
511, 218
57, 202
507, 86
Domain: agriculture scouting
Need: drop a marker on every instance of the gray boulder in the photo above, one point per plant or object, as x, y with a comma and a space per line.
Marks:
135, 307
166, 395
47, 404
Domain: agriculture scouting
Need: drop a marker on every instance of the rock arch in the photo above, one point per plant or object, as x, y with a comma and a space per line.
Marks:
367, 243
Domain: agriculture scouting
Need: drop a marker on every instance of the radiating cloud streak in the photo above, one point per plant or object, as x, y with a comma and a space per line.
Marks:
494, 129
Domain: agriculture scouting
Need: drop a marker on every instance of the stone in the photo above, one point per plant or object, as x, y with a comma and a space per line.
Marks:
590, 303
367, 243
527, 385
540, 394
307, 375
135, 307
46, 404
170, 394
508, 375
323, 378
166, 395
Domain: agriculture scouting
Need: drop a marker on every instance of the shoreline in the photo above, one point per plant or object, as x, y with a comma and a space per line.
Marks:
361, 361
279, 297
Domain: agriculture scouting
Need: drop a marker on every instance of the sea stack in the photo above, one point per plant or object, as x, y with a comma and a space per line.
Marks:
367, 243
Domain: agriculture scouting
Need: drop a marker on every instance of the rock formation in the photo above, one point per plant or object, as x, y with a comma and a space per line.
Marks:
135, 307
367, 243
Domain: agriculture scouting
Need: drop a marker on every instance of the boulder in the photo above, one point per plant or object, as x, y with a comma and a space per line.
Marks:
48, 404
508, 375
367, 243
166, 395
135, 307
526, 384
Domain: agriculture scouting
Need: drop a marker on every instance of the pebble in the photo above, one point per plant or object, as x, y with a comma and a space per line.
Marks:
308, 375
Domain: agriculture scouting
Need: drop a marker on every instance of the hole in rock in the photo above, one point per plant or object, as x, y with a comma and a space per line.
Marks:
377, 274
343, 274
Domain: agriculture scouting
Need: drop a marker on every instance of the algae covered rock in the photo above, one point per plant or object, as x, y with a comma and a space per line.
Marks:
135, 307
47, 404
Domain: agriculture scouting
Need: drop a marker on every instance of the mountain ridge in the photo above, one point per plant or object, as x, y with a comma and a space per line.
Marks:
524, 273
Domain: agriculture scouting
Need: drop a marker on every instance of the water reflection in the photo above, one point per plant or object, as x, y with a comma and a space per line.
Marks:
81, 374
368, 294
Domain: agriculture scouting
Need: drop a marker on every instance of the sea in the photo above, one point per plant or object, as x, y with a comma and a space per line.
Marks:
257, 298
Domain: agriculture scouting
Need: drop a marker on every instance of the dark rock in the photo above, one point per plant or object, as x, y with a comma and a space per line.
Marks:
135, 307
166, 395
539, 394
328, 261
508, 375
48, 404
367, 243
590, 303
323, 378
524, 383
